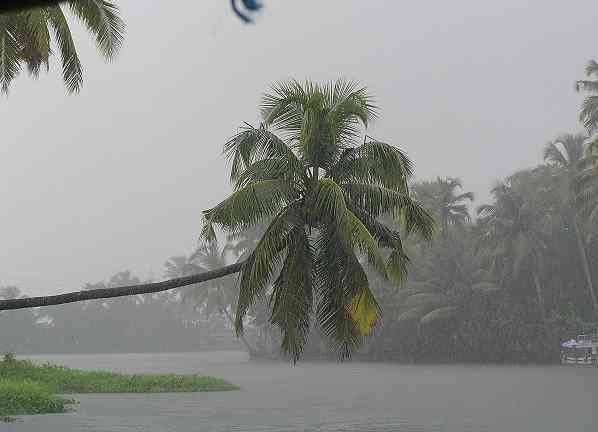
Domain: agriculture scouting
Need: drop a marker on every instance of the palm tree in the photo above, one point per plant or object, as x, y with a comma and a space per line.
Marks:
218, 295
308, 166
442, 198
589, 108
566, 154
514, 234
27, 38
586, 185
444, 279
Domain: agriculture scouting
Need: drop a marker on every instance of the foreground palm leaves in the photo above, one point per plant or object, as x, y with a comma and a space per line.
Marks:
308, 171
26, 39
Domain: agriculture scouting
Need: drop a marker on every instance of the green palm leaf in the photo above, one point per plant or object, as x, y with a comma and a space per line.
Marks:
72, 71
265, 259
9, 53
251, 204
292, 295
102, 20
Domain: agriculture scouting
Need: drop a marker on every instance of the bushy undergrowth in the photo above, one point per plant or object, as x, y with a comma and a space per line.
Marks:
18, 397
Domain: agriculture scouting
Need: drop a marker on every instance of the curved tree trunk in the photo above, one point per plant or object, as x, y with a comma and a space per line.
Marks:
231, 320
584, 261
103, 293
539, 294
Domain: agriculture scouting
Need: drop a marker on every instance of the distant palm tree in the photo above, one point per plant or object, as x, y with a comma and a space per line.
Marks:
444, 280
514, 235
308, 168
442, 198
586, 186
218, 295
589, 109
26, 39
566, 153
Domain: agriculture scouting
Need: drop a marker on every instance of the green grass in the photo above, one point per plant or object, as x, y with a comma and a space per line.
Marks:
26, 397
27, 388
64, 380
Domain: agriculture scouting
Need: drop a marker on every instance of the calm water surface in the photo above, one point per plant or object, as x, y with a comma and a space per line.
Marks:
331, 397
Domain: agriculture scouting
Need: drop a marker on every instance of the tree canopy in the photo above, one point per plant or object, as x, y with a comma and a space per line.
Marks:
29, 38
308, 167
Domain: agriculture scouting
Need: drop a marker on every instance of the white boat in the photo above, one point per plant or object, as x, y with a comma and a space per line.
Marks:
582, 350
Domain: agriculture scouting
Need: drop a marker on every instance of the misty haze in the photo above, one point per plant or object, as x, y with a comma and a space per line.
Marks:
298, 216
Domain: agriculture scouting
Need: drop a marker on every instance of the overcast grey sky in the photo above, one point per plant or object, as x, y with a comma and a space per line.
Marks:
116, 176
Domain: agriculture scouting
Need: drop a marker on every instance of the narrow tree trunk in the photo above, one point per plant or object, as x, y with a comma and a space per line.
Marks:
231, 320
539, 295
584, 262
102, 293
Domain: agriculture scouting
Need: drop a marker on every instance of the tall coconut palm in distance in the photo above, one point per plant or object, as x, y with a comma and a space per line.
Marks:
513, 235
566, 154
442, 197
30, 37
308, 168
218, 295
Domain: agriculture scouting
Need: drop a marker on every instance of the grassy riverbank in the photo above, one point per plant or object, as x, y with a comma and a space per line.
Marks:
27, 388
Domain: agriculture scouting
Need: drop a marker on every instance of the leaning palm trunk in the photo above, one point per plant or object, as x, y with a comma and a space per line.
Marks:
148, 288
584, 261
539, 294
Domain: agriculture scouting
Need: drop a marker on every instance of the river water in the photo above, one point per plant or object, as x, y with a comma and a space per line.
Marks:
353, 397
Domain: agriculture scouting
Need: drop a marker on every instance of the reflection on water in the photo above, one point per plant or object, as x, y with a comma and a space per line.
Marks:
330, 397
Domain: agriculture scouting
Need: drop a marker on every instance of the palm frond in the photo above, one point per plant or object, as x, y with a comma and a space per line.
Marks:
292, 295
72, 71
467, 196
9, 53
249, 205
330, 202
375, 200
554, 155
270, 169
396, 266
349, 108
254, 144
416, 219
102, 19
284, 107
352, 230
374, 162
341, 283
264, 260
588, 114
35, 40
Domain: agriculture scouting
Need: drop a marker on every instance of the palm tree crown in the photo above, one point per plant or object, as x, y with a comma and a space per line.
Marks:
449, 206
308, 168
514, 230
26, 39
